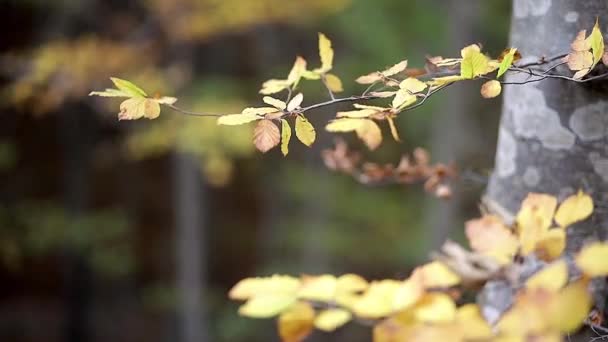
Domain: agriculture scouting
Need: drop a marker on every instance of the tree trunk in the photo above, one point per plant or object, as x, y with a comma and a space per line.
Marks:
553, 135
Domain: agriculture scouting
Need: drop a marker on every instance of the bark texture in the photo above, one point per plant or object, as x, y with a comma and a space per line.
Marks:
553, 135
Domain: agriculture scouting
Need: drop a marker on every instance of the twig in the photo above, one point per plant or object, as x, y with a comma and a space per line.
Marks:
187, 112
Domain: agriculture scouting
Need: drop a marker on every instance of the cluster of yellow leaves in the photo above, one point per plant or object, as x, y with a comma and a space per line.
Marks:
425, 306
138, 105
586, 52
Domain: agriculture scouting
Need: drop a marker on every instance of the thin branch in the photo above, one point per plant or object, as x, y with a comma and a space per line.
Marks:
187, 112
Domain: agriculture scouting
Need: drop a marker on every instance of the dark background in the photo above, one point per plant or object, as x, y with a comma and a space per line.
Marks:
135, 231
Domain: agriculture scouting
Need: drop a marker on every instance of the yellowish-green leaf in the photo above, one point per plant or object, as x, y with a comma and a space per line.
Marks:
318, 288
326, 53
237, 119
491, 89
361, 113
285, 136
274, 86
506, 62
553, 277
250, 287
266, 135
331, 319
575, 208
592, 259
297, 72
369, 133
296, 323
413, 85
137, 108
266, 305
128, 87
305, 131
274, 102
442, 81
378, 300
596, 40
334, 83
343, 125
394, 132
403, 99
295, 102
474, 63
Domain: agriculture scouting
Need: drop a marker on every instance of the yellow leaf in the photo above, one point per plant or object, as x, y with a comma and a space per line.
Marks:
472, 324
408, 294
297, 71
326, 53
331, 319
403, 99
334, 83
295, 102
435, 308
376, 108
553, 277
369, 133
474, 63
575, 208
274, 86
266, 135
441, 81
489, 236
534, 219
383, 94
378, 300
250, 287
362, 113
413, 85
167, 100
568, 310
285, 136
351, 283
377, 75
394, 132
436, 275
274, 102
593, 259
305, 131
343, 125
260, 110
506, 62
296, 323
395, 69
318, 288
237, 119
491, 89
266, 305
137, 108
551, 245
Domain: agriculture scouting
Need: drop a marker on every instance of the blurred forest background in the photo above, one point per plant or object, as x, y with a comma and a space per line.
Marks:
135, 231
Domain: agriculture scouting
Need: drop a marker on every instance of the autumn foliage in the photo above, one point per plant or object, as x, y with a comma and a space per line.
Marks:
430, 305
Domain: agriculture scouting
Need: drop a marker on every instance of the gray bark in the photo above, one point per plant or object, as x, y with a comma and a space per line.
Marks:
553, 135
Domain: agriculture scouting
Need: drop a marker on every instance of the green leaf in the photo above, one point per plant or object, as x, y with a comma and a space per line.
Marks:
506, 63
285, 136
128, 87
474, 63
305, 131
597, 43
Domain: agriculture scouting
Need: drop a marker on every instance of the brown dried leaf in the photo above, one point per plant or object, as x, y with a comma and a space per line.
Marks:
266, 135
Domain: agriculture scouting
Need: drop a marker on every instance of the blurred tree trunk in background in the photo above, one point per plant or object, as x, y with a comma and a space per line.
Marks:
448, 142
553, 134
190, 256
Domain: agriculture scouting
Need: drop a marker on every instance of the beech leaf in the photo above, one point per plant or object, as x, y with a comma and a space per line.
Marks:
266, 135
305, 131
285, 136
491, 89
574, 209
137, 108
